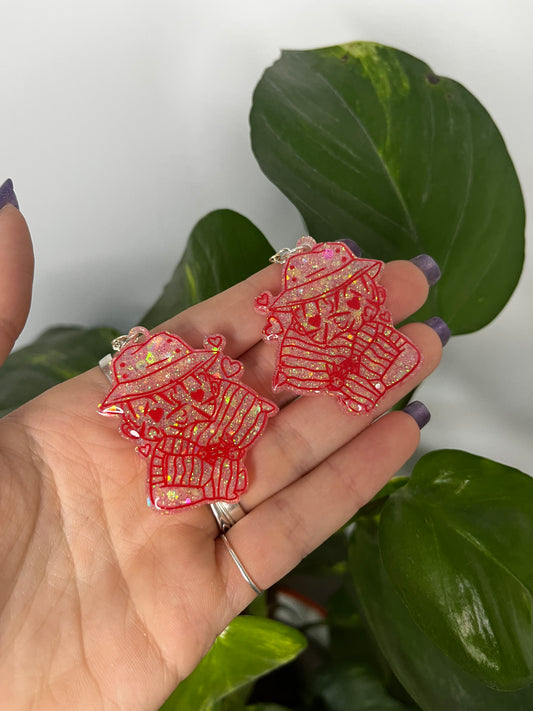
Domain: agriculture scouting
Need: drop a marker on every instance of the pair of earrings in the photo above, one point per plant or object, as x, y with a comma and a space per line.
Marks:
193, 418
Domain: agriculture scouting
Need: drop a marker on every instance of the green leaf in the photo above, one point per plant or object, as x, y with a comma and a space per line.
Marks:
376, 503
342, 607
258, 606
247, 649
328, 559
235, 701
456, 541
370, 144
349, 637
57, 355
223, 249
434, 681
345, 687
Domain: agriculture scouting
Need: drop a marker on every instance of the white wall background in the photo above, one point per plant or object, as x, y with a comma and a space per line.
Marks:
123, 122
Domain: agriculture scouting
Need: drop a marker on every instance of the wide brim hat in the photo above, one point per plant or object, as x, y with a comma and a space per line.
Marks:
329, 265
153, 366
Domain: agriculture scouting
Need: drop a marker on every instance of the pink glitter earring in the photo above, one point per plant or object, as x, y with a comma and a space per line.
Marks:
188, 413
332, 330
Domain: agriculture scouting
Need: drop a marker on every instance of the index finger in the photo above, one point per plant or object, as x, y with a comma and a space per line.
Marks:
232, 312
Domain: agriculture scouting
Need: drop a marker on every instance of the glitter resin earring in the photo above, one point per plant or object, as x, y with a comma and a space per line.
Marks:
191, 417
333, 333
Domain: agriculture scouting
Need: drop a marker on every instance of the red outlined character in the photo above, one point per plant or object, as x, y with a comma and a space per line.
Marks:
333, 332
190, 415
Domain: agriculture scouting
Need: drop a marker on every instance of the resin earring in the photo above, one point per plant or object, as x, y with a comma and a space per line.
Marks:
332, 330
191, 417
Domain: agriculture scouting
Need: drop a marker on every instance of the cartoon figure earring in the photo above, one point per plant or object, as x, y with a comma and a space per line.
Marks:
333, 333
189, 413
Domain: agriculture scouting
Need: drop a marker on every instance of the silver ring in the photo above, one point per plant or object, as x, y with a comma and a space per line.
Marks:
257, 590
226, 514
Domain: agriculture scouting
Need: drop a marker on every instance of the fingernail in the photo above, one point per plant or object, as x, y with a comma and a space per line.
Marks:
418, 412
353, 246
428, 266
7, 194
440, 327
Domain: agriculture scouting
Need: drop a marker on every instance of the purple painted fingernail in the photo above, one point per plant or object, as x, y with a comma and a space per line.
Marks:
428, 266
353, 246
418, 412
7, 194
440, 327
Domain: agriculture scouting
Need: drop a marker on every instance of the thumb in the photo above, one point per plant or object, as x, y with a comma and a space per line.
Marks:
16, 270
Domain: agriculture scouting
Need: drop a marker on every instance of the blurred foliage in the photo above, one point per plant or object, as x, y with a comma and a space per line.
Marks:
59, 354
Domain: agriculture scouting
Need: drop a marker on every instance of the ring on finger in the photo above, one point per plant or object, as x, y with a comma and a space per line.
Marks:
257, 590
226, 514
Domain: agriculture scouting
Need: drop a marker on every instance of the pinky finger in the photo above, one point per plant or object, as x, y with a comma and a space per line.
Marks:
274, 537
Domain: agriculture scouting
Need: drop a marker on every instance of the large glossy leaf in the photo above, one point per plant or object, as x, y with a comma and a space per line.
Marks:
370, 144
57, 355
435, 681
247, 649
223, 249
456, 541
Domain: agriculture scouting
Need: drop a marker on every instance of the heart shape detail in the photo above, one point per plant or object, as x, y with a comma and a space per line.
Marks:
230, 367
354, 302
197, 395
215, 341
262, 301
315, 320
144, 450
156, 414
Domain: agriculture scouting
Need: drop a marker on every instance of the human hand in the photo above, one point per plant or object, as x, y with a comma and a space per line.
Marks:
105, 604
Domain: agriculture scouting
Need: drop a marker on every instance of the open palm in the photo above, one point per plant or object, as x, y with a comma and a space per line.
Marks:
105, 604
